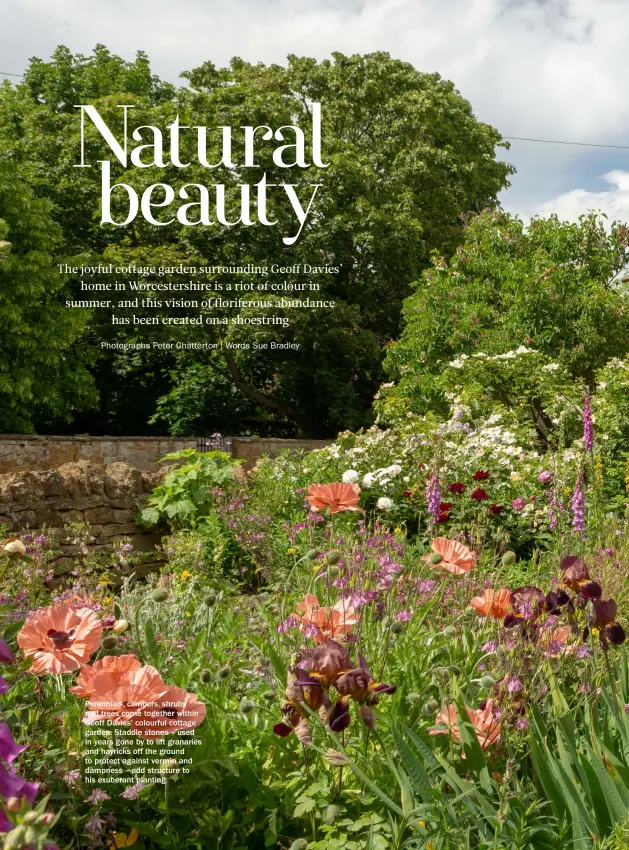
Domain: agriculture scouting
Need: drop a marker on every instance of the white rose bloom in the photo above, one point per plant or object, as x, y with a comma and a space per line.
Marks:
394, 469
350, 476
368, 480
384, 503
15, 547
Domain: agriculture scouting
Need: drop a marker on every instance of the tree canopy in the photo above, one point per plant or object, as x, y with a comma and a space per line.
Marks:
408, 160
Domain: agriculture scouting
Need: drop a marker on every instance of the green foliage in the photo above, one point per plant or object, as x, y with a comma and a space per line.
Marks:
43, 369
185, 497
553, 287
406, 159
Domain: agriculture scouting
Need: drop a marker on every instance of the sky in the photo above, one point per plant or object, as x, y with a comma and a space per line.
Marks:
547, 69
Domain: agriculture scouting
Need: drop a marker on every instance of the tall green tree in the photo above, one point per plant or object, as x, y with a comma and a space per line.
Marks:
41, 374
407, 160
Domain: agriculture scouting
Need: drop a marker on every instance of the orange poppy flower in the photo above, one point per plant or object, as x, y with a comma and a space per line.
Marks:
485, 724
120, 698
174, 710
60, 639
493, 603
329, 622
118, 666
450, 555
335, 497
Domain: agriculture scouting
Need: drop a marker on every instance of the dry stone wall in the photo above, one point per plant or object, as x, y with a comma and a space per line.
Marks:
107, 497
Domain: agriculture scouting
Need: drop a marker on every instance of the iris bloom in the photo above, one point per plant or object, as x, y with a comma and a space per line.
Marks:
493, 603
483, 721
450, 555
603, 618
329, 622
328, 661
359, 685
60, 639
335, 497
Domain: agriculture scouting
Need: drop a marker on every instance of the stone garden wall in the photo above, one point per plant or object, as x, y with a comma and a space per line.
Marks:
105, 497
21, 453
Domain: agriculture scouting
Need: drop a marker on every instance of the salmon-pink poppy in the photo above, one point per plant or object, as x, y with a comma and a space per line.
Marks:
451, 555
173, 711
493, 603
121, 698
336, 497
325, 623
483, 721
118, 666
60, 639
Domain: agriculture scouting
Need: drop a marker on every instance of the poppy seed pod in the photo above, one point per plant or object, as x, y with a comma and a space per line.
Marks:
210, 600
436, 558
429, 708
312, 554
508, 559
223, 673
333, 557
160, 594
206, 677
110, 642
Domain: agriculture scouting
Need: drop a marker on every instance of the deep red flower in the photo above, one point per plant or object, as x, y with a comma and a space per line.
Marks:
480, 475
495, 509
444, 511
479, 495
456, 487
407, 493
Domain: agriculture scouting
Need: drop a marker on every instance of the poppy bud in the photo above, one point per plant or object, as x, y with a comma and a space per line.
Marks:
397, 627
436, 558
210, 600
30, 818
312, 554
429, 708
443, 673
160, 594
120, 626
299, 844
223, 673
206, 677
508, 559
246, 706
13, 804
454, 670
169, 766
331, 813
413, 698
110, 642
333, 557
334, 571
269, 696
615, 633
486, 682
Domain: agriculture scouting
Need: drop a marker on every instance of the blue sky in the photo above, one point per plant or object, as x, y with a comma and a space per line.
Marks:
553, 69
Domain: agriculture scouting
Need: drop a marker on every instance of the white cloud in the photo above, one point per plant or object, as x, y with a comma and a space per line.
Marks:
614, 201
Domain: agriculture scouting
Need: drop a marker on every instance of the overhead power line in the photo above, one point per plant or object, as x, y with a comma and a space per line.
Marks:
9, 74
556, 142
